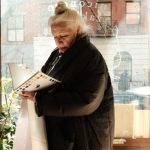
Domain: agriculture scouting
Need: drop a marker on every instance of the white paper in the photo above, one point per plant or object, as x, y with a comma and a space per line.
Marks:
24, 79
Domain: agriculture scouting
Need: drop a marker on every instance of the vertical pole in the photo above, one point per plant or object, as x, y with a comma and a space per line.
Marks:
0, 76
149, 42
149, 51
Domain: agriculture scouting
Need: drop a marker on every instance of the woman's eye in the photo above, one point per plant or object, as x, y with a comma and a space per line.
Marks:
64, 36
61, 37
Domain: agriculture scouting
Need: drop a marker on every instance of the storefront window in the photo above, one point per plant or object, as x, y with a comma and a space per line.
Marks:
26, 39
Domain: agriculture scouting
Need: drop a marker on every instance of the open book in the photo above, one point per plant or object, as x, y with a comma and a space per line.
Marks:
25, 79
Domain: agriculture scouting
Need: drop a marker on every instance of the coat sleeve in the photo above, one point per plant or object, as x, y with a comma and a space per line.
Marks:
71, 103
83, 100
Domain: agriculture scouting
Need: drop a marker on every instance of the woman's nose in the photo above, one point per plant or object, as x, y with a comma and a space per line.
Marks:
59, 41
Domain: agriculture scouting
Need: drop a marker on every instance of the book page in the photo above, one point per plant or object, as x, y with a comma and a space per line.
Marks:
25, 79
37, 82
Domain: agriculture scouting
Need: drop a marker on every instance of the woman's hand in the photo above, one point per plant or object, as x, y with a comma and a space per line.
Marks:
28, 95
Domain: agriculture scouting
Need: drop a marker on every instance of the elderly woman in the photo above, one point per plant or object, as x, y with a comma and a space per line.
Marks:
78, 112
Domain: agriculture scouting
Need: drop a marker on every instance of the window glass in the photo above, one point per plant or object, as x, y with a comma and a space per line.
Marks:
123, 66
46, 11
19, 22
122, 36
19, 35
104, 16
133, 28
104, 9
133, 19
11, 35
11, 23
15, 28
133, 7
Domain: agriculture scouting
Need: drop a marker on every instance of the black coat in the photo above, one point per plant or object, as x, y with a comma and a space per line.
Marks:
79, 112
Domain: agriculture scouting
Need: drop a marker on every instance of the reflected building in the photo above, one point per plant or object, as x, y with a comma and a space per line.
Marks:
121, 33
120, 29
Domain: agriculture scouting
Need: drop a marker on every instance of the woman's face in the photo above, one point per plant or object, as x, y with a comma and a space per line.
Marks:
64, 37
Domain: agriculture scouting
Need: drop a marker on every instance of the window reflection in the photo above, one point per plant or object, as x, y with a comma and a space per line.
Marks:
133, 7
133, 13
104, 15
15, 28
123, 65
122, 38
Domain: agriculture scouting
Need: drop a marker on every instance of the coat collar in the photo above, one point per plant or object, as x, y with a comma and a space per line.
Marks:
71, 54
79, 43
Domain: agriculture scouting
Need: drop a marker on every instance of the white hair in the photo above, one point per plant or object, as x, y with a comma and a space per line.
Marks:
65, 16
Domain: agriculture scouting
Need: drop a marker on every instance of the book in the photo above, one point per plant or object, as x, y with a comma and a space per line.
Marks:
25, 79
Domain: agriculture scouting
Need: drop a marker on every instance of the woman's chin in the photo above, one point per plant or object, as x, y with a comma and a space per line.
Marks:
63, 49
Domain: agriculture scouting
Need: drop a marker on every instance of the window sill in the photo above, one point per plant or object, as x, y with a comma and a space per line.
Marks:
134, 144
